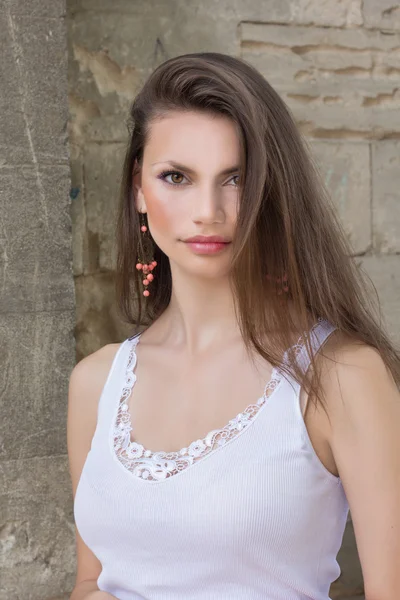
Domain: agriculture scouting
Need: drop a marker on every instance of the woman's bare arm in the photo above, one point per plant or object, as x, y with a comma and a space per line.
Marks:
85, 386
364, 406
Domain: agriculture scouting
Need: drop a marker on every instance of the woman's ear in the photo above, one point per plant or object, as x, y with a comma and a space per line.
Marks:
137, 189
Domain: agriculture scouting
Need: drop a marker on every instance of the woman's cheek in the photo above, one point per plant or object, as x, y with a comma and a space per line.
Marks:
162, 219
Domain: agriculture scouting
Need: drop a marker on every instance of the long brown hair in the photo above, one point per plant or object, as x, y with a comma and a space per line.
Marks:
286, 221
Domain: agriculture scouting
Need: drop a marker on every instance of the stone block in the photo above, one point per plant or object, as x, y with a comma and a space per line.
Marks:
38, 9
14, 142
37, 541
274, 10
386, 196
97, 320
338, 83
35, 239
102, 171
345, 170
345, 13
381, 14
35, 106
384, 272
36, 362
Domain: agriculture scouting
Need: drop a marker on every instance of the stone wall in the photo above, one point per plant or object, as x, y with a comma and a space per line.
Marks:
37, 303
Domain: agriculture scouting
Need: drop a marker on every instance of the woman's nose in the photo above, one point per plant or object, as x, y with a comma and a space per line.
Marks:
208, 206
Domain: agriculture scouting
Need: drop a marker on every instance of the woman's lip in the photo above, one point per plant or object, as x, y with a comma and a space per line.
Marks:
207, 239
207, 247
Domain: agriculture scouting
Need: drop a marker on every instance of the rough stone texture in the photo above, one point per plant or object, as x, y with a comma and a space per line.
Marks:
95, 196
386, 196
382, 14
35, 239
384, 273
96, 181
110, 56
341, 13
37, 9
37, 533
36, 359
344, 166
33, 118
37, 304
339, 83
103, 164
337, 71
98, 321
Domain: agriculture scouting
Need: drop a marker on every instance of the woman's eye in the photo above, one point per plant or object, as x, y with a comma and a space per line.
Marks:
174, 174
177, 178
237, 183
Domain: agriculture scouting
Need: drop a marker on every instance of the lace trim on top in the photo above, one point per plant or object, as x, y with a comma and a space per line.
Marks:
157, 466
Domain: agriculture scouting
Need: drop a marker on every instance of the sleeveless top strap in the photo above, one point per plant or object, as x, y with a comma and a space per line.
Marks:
317, 336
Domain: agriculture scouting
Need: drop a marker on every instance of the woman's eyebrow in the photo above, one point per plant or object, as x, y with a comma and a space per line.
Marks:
180, 167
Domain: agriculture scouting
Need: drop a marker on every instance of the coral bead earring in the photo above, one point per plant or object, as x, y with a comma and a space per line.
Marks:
145, 268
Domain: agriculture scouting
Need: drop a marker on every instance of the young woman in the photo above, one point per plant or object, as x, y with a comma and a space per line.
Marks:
219, 448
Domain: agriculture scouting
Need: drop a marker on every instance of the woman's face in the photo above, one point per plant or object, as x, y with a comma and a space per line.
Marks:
189, 186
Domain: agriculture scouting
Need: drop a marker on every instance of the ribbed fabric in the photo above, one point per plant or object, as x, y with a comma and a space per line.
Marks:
260, 518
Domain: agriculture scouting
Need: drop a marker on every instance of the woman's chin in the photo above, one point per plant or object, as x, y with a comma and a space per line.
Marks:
211, 269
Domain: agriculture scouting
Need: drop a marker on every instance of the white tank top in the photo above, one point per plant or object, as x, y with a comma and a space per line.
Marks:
248, 513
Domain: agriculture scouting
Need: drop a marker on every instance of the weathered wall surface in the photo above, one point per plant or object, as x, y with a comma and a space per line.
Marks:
37, 303
336, 64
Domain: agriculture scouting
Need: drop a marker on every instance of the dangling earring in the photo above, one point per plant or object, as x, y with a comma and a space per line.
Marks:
285, 286
145, 246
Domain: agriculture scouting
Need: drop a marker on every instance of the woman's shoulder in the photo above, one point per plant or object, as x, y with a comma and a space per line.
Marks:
94, 367
351, 371
87, 381
342, 350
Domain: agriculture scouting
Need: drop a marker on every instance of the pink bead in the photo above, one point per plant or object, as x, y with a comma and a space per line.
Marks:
145, 268
139, 266
146, 282
146, 293
150, 277
143, 228
154, 263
